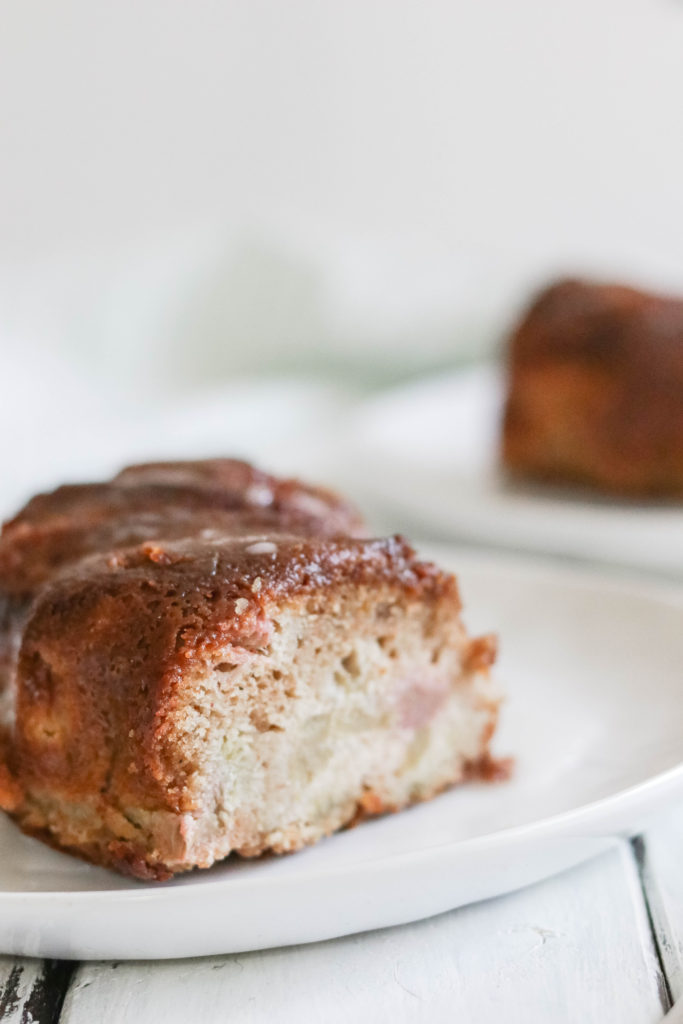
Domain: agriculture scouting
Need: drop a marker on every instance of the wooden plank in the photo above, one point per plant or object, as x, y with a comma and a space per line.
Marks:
660, 856
32, 991
576, 947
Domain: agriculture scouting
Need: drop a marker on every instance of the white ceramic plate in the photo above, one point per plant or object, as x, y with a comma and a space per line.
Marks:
593, 673
431, 449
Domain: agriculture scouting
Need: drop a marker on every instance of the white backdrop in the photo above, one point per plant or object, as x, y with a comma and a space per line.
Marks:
190, 189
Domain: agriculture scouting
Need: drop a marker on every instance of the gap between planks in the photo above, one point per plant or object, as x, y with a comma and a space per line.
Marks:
659, 857
661, 939
33, 991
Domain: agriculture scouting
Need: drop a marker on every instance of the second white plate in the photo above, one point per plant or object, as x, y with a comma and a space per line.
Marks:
592, 670
431, 449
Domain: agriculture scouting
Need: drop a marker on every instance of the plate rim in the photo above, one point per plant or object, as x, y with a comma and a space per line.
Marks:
577, 524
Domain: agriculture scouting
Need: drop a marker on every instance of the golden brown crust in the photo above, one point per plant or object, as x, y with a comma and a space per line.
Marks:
595, 391
481, 653
161, 501
11, 792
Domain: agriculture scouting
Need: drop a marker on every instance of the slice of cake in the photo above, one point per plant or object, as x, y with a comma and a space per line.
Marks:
595, 393
200, 659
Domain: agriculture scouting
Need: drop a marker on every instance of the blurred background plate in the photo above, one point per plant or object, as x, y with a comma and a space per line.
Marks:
430, 451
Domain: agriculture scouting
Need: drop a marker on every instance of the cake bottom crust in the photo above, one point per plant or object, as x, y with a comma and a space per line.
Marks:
128, 859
